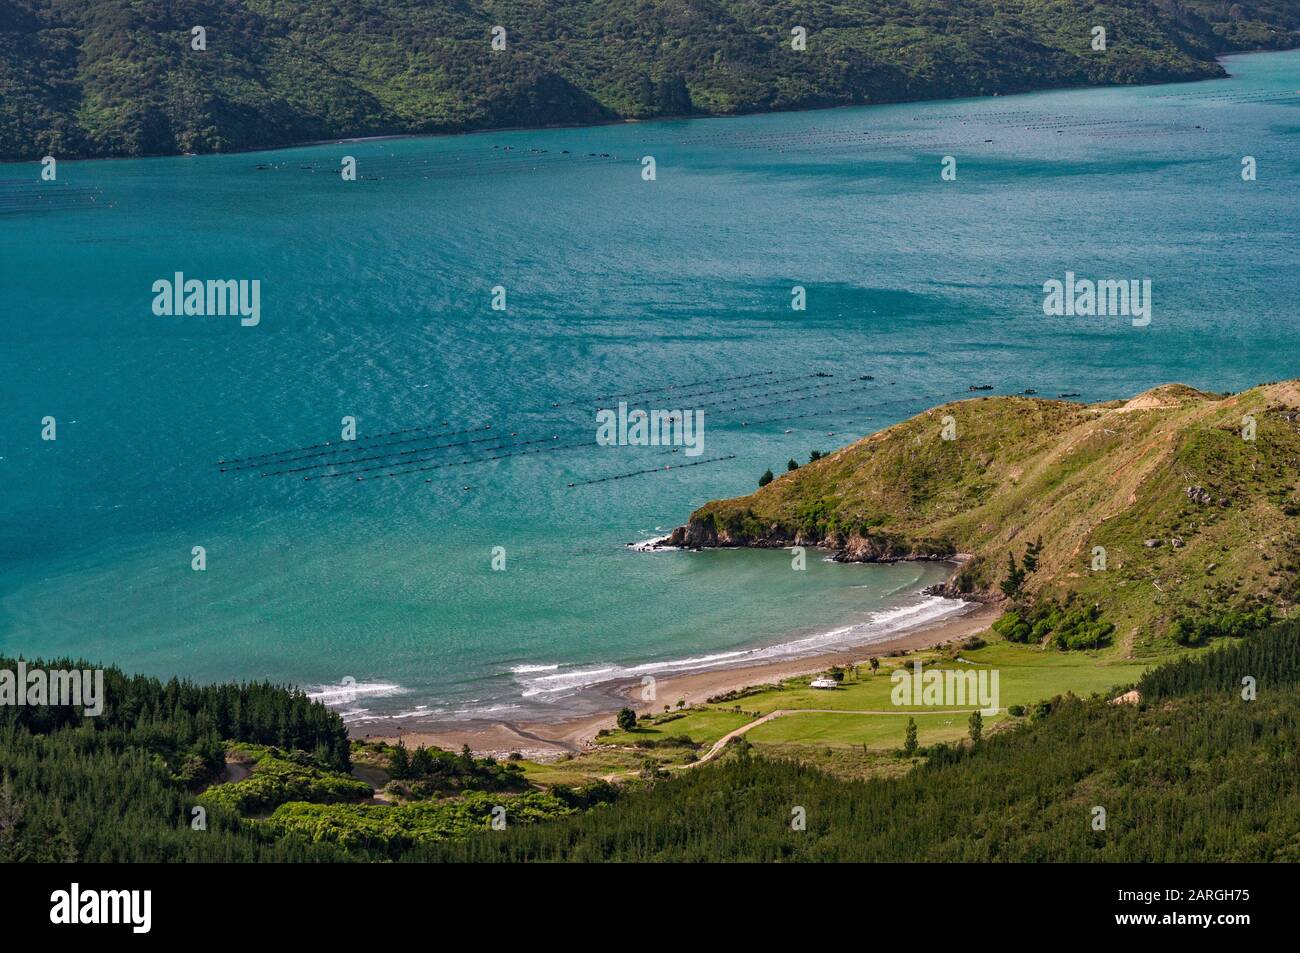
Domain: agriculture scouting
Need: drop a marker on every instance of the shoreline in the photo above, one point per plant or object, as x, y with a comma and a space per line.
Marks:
547, 740
620, 121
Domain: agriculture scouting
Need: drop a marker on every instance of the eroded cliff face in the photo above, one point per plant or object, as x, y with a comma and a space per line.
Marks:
851, 547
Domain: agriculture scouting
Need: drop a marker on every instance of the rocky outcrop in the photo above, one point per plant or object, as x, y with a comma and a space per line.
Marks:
850, 547
952, 589
704, 533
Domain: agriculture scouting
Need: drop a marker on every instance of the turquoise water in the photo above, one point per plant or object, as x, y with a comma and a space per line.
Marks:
376, 303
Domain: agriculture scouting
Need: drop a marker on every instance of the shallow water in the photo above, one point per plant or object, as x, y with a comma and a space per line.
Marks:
376, 303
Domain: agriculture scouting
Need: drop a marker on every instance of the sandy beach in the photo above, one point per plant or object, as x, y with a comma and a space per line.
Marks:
551, 739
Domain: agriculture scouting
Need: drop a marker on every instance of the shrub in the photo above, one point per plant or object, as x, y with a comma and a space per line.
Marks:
277, 780
1068, 628
1232, 623
1013, 628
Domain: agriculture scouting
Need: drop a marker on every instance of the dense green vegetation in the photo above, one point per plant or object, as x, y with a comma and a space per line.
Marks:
1202, 776
430, 771
122, 786
1201, 630
143, 781
1271, 658
1065, 626
185, 721
372, 831
119, 77
279, 777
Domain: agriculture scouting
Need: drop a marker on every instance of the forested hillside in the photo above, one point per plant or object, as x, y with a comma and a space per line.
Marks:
120, 77
122, 786
174, 771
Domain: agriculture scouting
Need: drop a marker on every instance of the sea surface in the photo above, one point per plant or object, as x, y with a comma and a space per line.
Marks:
376, 303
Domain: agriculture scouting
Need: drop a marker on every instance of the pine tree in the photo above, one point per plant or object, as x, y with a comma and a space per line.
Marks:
1015, 578
399, 765
422, 762
1032, 552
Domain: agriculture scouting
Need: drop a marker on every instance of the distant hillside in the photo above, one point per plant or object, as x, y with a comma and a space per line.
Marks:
1194, 519
119, 77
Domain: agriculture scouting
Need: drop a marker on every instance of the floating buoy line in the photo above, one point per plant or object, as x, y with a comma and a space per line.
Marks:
348, 446
662, 469
333, 447
18, 196
374, 166
390, 458
335, 460
586, 401
452, 463
381, 466
851, 410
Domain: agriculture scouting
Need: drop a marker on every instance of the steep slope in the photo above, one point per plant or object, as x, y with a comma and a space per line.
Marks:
1192, 517
119, 77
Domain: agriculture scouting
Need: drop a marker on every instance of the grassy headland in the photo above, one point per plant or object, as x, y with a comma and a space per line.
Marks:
1156, 514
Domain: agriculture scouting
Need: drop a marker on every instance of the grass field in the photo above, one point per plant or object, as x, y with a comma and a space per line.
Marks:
1026, 674
879, 732
860, 712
